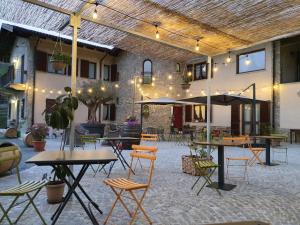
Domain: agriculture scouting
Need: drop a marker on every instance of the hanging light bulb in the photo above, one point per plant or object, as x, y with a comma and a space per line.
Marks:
95, 13
170, 77
197, 46
247, 61
215, 69
228, 59
90, 90
117, 86
156, 33
189, 73
79, 92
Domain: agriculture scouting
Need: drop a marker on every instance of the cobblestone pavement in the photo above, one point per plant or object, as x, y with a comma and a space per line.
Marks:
273, 194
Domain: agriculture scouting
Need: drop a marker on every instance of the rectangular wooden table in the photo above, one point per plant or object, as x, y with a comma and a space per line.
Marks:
116, 144
220, 144
268, 139
77, 157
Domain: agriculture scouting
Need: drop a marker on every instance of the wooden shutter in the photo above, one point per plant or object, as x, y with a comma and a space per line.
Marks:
265, 119
235, 119
188, 113
112, 112
114, 73
84, 68
41, 61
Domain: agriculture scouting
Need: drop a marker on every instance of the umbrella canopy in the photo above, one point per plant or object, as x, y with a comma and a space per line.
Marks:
162, 101
223, 99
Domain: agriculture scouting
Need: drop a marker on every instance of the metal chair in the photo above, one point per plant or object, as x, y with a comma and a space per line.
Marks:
280, 149
20, 190
121, 185
205, 168
243, 159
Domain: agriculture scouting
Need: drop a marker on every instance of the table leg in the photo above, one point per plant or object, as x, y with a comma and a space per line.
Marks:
71, 191
115, 147
221, 184
268, 153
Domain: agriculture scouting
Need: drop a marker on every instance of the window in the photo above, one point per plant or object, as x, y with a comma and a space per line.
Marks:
251, 61
178, 69
200, 71
200, 113
50, 68
106, 72
88, 69
23, 108
147, 72
109, 112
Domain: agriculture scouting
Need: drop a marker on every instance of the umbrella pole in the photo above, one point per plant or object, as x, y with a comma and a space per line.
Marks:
208, 105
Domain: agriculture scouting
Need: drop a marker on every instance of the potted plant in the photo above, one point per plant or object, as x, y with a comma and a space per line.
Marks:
92, 95
59, 60
39, 132
186, 79
61, 114
131, 128
56, 186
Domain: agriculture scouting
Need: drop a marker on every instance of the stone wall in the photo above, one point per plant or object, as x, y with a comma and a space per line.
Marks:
167, 84
276, 93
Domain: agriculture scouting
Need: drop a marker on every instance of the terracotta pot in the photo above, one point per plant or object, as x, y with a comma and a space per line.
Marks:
185, 86
58, 65
55, 191
39, 145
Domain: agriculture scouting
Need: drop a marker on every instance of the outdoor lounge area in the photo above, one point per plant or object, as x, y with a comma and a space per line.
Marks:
170, 112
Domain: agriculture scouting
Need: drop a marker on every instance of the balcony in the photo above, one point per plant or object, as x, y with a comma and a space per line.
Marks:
12, 78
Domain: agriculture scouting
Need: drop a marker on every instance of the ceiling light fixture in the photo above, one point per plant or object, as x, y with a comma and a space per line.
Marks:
95, 13
197, 46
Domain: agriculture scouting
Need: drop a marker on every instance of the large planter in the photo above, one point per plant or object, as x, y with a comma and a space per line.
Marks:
94, 128
4, 154
58, 65
131, 130
55, 191
39, 145
188, 165
185, 86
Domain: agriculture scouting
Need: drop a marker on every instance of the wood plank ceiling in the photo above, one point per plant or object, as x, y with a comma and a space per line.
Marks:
222, 24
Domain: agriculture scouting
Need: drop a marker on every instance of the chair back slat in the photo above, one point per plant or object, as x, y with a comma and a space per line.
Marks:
144, 148
143, 156
149, 137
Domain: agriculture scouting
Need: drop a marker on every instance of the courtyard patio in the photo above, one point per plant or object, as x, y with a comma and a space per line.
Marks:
271, 196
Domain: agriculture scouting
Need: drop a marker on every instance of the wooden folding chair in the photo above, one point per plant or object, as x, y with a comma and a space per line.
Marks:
143, 148
256, 151
22, 189
243, 160
149, 137
122, 185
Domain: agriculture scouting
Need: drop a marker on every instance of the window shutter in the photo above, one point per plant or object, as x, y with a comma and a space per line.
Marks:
41, 61
112, 111
265, 113
84, 68
188, 113
114, 73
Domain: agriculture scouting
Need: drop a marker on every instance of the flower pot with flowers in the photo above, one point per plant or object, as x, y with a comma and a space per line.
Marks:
131, 128
39, 132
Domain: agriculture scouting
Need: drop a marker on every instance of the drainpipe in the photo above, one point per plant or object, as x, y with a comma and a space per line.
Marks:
101, 61
34, 80
273, 83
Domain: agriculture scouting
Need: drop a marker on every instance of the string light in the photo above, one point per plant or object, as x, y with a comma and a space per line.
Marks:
170, 77
95, 13
276, 86
29, 88
117, 86
90, 90
140, 80
59, 92
51, 92
215, 69
197, 48
36, 89
102, 88
153, 78
138, 85
178, 95
153, 84
189, 73
132, 81
170, 88
79, 92
247, 61
43, 91
156, 33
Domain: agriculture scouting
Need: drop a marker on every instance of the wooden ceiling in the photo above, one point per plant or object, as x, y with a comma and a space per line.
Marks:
221, 24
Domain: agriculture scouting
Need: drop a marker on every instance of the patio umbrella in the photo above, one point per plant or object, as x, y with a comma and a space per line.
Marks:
163, 101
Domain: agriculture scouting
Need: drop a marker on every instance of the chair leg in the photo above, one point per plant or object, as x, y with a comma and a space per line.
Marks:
139, 206
196, 182
227, 171
5, 212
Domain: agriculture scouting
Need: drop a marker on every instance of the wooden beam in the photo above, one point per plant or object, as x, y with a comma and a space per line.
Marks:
197, 22
106, 24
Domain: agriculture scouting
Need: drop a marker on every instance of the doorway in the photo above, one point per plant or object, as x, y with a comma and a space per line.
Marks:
177, 117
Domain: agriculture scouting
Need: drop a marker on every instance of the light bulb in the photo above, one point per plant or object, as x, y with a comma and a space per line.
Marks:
156, 33
247, 61
197, 46
95, 14
117, 86
189, 73
51, 92
79, 91
90, 90
132, 81
43, 91
228, 59
170, 77
102, 88
170, 88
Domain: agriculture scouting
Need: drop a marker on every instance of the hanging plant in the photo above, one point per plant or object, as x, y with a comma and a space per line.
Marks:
58, 59
186, 79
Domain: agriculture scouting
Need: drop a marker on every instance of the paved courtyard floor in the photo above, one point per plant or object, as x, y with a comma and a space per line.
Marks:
273, 194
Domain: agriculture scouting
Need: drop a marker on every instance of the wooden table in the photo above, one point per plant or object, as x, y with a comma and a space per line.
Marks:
220, 144
268, 139
78, 157
116, 144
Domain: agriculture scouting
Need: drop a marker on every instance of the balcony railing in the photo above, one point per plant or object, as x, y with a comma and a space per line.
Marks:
13, 78
8, 78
